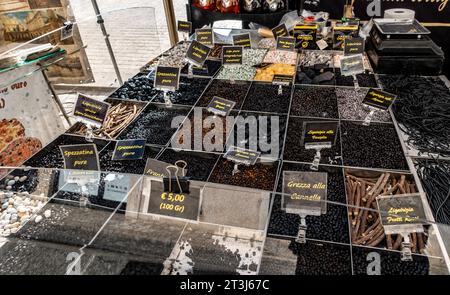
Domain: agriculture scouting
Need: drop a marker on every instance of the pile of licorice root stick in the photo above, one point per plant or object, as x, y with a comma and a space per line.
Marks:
435, 178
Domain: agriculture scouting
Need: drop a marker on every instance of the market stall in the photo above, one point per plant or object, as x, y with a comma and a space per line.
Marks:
220, 159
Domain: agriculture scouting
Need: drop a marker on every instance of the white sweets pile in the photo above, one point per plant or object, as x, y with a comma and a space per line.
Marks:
17, 208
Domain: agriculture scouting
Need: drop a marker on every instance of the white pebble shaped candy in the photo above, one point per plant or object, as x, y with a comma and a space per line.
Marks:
11, 183
38, 219
21, 209
47, 213
23, 178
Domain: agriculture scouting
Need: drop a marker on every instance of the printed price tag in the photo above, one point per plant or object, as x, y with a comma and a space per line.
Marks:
197, 53
167, 78
232, 55
67, 31
184, 27
80, 157
220, 106
304, 192
401, 209
319, 133
242, 156
90, 111
280, 31
354, 46
379, 99
242, 40
132, 149
179, 205
286, 43
205, 36
283, 80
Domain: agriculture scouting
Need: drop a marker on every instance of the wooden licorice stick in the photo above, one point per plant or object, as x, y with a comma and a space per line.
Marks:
372, 227
357, 198
389, 242
406, 185
402, 179
371, 235
413, 242
421, 242
382, 182
357, 225
398, 242
377, 240
378, 183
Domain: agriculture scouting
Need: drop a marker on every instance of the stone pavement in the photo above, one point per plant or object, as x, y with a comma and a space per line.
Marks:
137, 29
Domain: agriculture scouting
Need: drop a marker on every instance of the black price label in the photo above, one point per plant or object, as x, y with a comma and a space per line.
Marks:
305, 36
184, 27
67, 31
342, 33
354, 46
305, 192
242, 40
158, 169
90, 111
283, 80
319, 133
205, 36
220, 106
197, 53
179, 205
132, 149
379, 99
401, 210
167, 78
242, 156
286, 43
280, 31
232, 55
80, 157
